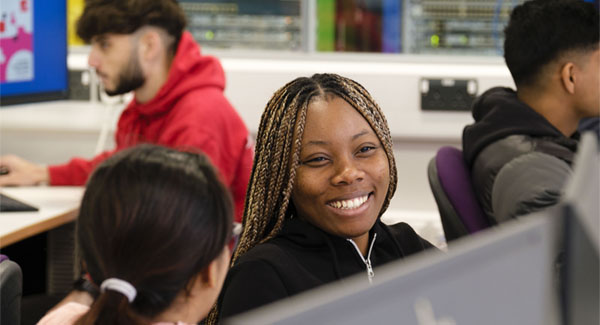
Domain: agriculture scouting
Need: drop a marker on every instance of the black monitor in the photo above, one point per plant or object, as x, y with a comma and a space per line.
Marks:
33, 51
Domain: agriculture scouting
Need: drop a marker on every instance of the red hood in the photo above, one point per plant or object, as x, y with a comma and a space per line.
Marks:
189, 70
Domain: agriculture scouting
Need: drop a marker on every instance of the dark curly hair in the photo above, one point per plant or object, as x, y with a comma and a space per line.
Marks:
126, 16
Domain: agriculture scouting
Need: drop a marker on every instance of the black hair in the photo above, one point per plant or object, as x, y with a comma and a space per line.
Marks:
154, 217
541, 31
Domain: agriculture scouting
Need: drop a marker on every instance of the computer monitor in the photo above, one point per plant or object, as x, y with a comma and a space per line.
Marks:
33, 51
581, 206
503, 275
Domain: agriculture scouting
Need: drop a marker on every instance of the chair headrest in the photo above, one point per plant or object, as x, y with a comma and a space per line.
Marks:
455, 178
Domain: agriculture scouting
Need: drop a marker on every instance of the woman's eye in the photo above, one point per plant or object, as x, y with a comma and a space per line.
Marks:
366, 149
314, 161
318, 159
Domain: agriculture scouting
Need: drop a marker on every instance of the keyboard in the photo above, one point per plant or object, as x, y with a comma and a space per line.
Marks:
8, 204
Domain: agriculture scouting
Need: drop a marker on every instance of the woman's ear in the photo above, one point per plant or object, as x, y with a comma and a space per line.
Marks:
568, 77
212, 275
208, 276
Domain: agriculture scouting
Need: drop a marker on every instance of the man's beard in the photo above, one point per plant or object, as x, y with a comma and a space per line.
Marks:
131, 78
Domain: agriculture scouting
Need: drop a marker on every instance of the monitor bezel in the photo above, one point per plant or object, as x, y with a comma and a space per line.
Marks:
34, 97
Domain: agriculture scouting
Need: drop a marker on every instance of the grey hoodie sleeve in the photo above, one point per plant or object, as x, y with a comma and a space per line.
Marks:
528, 183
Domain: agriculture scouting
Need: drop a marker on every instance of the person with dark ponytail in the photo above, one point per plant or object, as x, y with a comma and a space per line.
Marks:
153, 231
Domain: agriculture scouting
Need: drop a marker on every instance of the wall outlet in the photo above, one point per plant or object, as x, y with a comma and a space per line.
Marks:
447, 94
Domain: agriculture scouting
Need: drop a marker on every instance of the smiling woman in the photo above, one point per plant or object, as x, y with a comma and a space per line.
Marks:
323, 174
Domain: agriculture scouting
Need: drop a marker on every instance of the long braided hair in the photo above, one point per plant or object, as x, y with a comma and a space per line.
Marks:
278, 147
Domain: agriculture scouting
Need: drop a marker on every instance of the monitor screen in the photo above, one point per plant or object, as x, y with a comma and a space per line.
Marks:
33, 51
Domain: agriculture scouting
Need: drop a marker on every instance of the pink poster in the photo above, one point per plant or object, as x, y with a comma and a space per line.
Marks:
16, 40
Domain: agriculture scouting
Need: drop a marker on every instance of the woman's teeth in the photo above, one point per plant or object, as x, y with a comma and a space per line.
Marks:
350, 204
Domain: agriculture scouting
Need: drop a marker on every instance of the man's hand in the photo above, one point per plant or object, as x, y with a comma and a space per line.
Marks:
18, 171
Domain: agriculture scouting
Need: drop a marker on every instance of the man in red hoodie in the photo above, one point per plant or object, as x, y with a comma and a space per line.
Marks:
141, 46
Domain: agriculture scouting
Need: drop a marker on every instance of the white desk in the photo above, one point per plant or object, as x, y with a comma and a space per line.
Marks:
57, 206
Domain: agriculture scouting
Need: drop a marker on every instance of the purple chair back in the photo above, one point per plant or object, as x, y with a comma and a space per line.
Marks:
3, 258
455, 179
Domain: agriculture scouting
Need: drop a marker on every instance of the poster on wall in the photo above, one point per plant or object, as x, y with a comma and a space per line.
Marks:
16, 41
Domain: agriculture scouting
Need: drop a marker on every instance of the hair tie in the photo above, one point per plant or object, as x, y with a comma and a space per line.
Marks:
120, 286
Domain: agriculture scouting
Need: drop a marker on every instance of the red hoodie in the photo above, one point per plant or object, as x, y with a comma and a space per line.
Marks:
188, 112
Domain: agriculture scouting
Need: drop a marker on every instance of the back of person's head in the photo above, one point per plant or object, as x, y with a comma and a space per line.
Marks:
278, 148
155, 218
542, 31
101, 17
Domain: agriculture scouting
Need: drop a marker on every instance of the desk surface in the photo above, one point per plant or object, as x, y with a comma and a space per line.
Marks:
57, 206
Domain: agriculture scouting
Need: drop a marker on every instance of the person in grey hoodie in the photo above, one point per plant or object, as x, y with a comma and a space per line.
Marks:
522, 143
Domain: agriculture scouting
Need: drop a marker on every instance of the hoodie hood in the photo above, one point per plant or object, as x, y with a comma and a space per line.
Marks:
189, 70
499, 113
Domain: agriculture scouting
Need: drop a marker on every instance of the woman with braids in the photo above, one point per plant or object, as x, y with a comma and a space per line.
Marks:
323, 174
153, 230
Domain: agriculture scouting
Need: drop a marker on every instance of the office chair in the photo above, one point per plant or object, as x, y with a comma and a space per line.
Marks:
11, 282
450, 182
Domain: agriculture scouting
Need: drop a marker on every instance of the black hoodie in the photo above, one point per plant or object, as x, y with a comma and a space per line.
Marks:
303, 257
505, 129
498, 113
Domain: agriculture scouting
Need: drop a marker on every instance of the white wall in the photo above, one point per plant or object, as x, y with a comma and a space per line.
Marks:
393, 80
